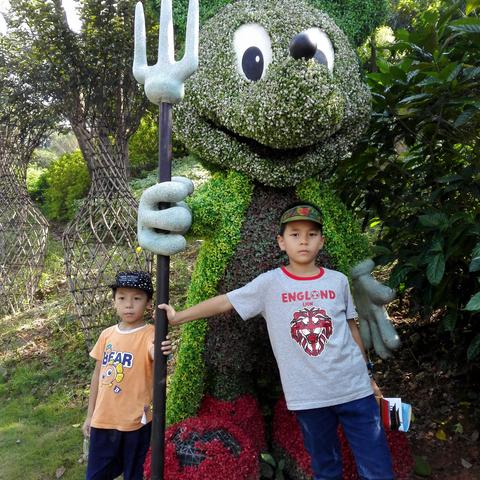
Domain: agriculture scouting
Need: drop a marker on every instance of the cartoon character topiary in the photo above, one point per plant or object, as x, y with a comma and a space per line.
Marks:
276, 104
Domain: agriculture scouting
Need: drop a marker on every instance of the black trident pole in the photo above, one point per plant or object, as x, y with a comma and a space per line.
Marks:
162, 296
164, 85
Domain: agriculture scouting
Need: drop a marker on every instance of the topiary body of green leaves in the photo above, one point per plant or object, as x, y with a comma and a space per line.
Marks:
272, 141
221, 228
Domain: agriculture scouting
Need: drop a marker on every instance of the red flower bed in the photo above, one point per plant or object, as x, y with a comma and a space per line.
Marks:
207, 448
244, 412
288, 436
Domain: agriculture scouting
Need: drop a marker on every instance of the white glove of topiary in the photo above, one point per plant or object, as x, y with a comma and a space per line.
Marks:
370, 297
176, 218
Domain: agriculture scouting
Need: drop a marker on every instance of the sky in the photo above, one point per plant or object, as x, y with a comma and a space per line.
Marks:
69, 5
3, 6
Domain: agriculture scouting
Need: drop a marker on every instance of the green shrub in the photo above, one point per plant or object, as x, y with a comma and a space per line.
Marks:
417, 174
357, 18
68, 180
37, 183
44, 157
143, 146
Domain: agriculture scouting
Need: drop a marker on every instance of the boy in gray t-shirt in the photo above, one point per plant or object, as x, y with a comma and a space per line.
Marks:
314, 336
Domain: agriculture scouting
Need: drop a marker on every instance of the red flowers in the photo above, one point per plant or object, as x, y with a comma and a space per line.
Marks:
216, 444
224, 442
244, 412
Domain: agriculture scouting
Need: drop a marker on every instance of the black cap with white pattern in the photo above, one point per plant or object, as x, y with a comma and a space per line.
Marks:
134, 279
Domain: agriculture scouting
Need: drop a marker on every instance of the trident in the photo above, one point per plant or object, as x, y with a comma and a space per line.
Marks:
164, 85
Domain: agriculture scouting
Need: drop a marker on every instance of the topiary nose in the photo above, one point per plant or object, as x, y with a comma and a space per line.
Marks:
302, 46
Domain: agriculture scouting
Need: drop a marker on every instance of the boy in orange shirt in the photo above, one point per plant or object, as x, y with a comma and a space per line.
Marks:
119, 418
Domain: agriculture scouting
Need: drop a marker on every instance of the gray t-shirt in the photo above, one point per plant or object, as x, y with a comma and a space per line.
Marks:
319, 361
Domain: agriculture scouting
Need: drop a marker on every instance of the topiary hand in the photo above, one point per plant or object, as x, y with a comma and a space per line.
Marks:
177, 218
370, 297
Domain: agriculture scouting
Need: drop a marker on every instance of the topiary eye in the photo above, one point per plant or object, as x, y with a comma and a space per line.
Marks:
313, 43
253, 50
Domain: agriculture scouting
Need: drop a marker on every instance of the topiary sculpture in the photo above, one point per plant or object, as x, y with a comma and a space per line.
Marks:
277, 102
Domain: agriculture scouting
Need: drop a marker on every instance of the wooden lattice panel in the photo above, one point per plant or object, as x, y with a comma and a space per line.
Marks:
23, 241
98, 243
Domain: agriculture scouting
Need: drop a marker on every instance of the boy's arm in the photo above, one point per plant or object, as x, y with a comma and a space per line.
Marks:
352, 323
205, 309
92, 400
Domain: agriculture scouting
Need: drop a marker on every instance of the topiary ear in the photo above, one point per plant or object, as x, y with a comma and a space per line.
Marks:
357, 18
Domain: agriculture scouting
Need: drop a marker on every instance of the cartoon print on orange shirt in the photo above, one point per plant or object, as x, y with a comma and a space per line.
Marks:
113, 372
311, 328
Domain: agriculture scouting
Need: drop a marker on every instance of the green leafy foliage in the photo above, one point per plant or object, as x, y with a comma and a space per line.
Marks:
222, 234
37, 183
357, 18
416, 176
143, 145
86, 76
67, 181
406, 12
271, 468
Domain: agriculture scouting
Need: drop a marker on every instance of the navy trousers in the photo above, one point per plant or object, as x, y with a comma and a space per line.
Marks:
360, 420
112, 452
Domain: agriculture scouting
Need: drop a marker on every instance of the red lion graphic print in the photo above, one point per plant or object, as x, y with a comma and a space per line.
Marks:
311, 328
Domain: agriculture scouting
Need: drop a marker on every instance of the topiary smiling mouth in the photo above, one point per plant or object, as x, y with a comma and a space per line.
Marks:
259, 149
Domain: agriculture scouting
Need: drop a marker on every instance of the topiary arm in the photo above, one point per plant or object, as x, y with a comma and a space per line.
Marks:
206, 206
219, 210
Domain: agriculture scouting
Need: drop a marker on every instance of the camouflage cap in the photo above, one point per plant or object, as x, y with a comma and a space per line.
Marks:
301, 212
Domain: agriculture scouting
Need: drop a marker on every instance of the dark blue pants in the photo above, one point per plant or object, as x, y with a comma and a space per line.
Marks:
112, 452
360, 420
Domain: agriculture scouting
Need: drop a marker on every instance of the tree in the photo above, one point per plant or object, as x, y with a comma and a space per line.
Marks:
87, 75
24, 122
416, 176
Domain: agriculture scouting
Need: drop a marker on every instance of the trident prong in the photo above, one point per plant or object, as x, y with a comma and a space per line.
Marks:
164, 81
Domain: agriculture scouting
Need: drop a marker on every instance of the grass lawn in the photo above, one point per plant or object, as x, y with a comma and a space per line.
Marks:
40, 437
43, 378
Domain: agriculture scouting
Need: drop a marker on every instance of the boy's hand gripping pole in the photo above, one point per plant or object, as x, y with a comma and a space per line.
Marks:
164, 85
